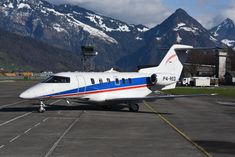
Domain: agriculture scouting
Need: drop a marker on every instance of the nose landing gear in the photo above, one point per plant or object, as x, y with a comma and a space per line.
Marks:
42, 107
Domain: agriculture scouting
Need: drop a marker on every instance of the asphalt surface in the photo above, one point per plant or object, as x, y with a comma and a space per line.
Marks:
195, 127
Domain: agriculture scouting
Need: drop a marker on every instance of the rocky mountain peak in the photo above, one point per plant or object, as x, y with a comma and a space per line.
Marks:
178, 27
225, 32
181, 12
228, 23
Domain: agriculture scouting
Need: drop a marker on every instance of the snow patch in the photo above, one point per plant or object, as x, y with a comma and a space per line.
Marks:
10, 5
98, 20
178, 38
55, 12
158, 38
228, 42
139, 38
182, 26
77, 13
215, 33
92, 19
124, 28
58, 28
143, 29
91, 30
23, 5
212, 38
43, 11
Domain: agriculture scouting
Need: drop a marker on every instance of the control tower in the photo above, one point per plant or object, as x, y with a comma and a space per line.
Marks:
88, 54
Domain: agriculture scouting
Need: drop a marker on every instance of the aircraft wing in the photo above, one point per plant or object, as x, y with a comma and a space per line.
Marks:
153, 98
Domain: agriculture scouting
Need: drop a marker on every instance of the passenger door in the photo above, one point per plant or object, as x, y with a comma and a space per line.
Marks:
81, 84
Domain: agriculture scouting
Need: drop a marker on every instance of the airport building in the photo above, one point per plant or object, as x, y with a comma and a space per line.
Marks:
219, 65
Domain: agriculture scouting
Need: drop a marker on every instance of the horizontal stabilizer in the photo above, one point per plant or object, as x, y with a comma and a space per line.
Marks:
171, 86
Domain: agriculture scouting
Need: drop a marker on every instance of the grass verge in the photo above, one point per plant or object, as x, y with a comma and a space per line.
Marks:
222, 91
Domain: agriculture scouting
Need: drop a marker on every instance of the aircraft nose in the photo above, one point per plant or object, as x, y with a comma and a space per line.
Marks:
26, 95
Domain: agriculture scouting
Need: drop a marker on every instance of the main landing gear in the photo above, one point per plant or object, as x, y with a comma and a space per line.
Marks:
42, 107
133, 107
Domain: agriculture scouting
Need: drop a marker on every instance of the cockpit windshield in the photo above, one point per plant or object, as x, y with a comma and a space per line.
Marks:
57, 79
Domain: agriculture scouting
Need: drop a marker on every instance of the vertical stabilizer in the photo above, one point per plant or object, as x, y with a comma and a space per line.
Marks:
173, 62
169, 70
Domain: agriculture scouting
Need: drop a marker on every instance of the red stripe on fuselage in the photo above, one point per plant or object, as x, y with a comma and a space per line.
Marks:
102, 91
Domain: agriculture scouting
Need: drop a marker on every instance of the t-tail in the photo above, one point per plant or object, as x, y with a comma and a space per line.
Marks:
166, 75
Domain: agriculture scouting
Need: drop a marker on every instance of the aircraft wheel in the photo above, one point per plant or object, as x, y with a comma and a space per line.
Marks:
42, 107
133, 107
106, 107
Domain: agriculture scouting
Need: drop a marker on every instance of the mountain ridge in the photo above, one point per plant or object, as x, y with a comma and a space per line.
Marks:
68, 27
178, 28
225, 32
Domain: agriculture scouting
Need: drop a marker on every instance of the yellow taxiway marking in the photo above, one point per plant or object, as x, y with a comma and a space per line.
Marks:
179, 131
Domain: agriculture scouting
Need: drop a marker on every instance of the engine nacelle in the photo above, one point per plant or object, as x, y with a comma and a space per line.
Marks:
162, 79
153, 78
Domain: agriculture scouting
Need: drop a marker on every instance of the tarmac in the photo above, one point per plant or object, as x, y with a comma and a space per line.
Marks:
183, 127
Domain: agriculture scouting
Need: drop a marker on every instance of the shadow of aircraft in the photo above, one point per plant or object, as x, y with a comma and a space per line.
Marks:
219, 147
88, 107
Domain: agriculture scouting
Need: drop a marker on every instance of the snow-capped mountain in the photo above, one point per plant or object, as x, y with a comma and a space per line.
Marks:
181, 28
225, 32
178, 28
35, 16
38, 13
69, 27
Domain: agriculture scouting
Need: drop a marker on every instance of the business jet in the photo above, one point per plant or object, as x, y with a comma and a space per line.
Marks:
112, 87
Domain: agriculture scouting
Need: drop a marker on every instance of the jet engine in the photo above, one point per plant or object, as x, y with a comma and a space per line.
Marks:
153, 78
162, 79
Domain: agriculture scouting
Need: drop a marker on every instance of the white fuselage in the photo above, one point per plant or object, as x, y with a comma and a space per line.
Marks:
93, 86
111, 85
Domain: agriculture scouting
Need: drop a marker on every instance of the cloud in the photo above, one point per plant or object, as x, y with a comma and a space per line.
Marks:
210, 20
152, 12
147, 12
230, 11
210, 12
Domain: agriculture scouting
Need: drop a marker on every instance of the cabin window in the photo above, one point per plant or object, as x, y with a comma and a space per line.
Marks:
129, 80
92, 81
108, 80
100, 80
57, 79
123, 81
117, 81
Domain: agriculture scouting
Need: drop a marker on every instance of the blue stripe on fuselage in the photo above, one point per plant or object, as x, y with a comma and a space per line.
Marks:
105, 86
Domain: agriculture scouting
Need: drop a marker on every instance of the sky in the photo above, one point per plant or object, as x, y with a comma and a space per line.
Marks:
152, 12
